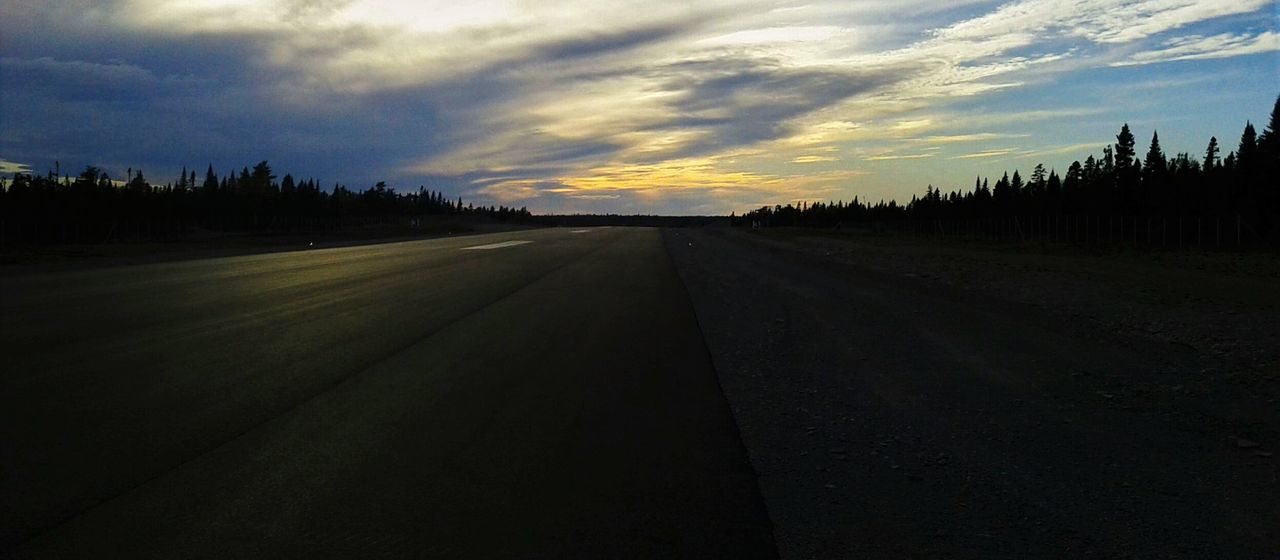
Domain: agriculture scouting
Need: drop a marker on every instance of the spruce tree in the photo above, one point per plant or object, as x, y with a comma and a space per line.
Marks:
1211, 154
1268, 142
1154, 164
1124, 152
1247, 153
1127, 171
210, 180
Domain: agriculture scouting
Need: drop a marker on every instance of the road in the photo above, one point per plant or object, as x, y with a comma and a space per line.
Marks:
539, 393
892, 414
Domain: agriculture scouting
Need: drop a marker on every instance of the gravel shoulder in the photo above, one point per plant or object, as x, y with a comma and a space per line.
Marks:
902, 397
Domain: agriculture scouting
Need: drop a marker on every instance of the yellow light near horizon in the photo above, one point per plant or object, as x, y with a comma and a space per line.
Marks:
678, 174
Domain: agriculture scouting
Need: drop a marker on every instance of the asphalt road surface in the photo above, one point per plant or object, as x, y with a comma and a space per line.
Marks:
536, 394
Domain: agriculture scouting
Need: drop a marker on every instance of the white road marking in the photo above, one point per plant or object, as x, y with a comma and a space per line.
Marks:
494, 245
581, 231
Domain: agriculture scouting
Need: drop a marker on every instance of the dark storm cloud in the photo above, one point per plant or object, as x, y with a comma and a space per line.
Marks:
151, 101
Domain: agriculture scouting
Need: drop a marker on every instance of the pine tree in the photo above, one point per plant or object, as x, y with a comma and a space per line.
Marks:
1127, 171
1053, 188
1075, 173
1124, 153
210, 180
1038, 177
1269, 168
138, 183
1154, 164
1247, 153
261, 177
1211, 154
1268, 141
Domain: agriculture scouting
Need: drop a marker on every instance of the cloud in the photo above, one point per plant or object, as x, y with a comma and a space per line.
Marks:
1081, 149
962, 138
1196, 47
84, 79
891, 157
813, 159
1099, 21
985, 154
309, 11
705, 104
7, 166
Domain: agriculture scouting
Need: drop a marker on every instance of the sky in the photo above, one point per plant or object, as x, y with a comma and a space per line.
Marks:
625, 107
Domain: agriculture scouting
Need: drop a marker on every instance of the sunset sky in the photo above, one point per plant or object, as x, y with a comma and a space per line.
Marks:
607, 106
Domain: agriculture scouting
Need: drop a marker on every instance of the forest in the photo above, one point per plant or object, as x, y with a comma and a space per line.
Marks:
91, 207
1128, 194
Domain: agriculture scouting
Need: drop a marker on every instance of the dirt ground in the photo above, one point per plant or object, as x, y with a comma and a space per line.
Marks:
905, 397
1225, 305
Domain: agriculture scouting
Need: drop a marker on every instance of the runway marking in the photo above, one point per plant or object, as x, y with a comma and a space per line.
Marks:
494, 245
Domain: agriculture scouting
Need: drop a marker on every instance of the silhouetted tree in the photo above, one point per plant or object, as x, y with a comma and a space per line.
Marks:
1268, 141
1239, 190
93, 208
1211, 154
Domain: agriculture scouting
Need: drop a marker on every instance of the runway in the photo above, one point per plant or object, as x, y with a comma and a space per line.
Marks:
539, 393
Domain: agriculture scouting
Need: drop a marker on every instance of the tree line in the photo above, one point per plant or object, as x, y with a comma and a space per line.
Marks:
1242, 186
92, 207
